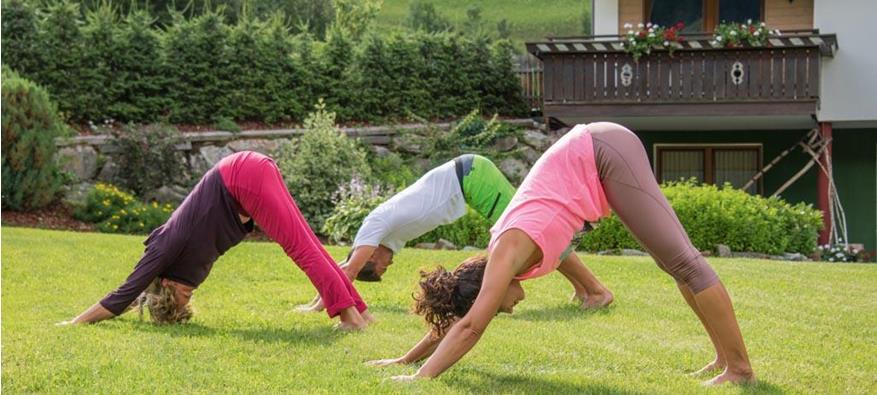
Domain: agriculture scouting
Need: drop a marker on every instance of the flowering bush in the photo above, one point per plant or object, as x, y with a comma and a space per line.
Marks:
651, 36
353, 202
732, 34
839, 253
116, 211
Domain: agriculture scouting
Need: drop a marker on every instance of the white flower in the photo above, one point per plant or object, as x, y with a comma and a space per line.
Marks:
819, 248
651, 30
630, 32
755, 33
733, 32
854, 251
718, 38
762, 24
713, 42
666, 43
640, 25
749, 21
825, 246
649, 24
628, 26
839, 254
651, 34
633, 40
831, 259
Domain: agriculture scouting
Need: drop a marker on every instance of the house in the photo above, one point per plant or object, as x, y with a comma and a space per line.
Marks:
723, 114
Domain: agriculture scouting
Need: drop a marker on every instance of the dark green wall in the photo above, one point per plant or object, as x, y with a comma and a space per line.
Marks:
855, 169
855, 172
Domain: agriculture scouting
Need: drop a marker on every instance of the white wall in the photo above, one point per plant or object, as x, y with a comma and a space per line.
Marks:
605, 14
849, 80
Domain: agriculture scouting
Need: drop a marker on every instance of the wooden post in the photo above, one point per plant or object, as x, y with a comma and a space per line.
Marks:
823, 200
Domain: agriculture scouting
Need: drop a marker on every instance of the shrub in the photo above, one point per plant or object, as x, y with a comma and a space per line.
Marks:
353, 202
422, 15
196, 58
101, 202
99, 65
21, 44
470, 230
319, 162
140, 76
30, 124
713, 215
148, 157
391, 170
137, 218
115, 211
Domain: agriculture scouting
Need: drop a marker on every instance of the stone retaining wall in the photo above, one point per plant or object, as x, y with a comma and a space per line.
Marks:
90, 159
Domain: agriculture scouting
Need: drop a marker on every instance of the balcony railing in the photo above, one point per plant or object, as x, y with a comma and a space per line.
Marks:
595, 75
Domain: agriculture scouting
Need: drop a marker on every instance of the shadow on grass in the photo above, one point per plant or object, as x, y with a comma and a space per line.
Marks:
761, 387
502, 384
561, 313
305, 336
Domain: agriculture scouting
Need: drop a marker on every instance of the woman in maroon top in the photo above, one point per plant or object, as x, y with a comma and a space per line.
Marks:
216, 216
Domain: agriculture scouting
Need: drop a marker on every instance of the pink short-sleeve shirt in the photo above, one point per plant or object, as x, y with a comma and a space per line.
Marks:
561, 193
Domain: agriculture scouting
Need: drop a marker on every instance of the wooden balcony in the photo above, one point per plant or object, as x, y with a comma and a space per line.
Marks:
592, 76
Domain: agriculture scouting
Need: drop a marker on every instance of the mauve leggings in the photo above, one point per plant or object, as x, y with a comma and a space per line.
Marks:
633, 194
255, 182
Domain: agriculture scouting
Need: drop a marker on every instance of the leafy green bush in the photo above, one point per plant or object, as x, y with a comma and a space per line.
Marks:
713, 215
197, 63
391, 170
148, 157
21, 43
115, 211
422, 15
470, 230
30, 125
353, 202
320, 161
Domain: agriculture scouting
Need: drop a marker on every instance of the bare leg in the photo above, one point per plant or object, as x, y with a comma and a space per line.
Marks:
588, 289
715, 304
718, 363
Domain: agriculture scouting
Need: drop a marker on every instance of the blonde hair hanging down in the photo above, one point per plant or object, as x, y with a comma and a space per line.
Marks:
162, 305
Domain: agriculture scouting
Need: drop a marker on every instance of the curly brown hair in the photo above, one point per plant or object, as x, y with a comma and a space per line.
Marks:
162, 305
446, 296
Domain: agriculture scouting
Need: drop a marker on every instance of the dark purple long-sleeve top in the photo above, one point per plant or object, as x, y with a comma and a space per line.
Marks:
184, 249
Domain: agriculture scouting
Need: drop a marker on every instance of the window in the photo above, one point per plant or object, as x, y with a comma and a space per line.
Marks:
702, 15
716, 164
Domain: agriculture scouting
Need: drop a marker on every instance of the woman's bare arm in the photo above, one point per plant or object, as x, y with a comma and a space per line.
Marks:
93, 314
423, 349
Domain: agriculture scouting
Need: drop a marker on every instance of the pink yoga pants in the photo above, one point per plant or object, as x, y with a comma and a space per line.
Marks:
633, 193
255, 182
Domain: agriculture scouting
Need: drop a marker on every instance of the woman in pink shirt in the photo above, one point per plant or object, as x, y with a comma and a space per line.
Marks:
593, 168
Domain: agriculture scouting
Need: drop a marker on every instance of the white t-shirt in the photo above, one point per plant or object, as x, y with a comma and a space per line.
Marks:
434, 200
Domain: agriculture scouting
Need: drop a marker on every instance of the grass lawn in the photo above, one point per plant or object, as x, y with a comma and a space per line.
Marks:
528, 19
810, 328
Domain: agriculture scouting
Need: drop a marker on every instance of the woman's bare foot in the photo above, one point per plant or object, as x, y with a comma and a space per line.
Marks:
709, 368
729, 376
351, 320
368, 317
594, 300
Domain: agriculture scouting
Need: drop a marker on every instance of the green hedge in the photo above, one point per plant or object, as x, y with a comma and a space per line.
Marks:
105, 65
713, 215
